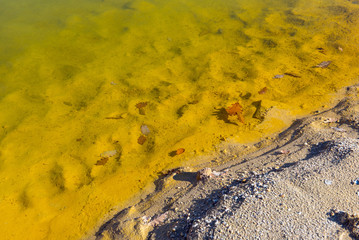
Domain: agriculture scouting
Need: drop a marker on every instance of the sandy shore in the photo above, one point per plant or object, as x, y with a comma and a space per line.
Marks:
301, 184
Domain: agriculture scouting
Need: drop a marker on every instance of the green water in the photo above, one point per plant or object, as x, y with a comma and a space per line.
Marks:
73, 75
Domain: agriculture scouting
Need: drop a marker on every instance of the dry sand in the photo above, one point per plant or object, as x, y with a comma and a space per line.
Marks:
300, 184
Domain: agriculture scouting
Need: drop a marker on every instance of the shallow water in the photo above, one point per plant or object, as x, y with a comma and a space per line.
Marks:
80, 83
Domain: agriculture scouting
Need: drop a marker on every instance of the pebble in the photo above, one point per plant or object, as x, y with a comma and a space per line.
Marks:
278, 76
324, 64
108, 154
145, 130
328, 182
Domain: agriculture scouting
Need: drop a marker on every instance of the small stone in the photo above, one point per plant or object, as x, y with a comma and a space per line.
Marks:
324, 64
204, 174
145, 130
328, 182
278, 76
108, 154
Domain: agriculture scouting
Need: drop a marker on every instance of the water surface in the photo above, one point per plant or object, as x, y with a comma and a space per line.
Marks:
96, 95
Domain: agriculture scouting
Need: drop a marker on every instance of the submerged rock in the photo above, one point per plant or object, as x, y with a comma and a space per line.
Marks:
145, 130
324, 64
278, 76
108, 154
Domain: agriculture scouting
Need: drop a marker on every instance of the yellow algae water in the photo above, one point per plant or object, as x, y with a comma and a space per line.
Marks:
95, 95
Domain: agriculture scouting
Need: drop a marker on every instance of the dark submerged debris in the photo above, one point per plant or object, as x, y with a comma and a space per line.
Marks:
127, 6
222, 114
269, 43
115, 117
294, 19
68, 104
141, 140
193, 102
246, 96
141, 106
176, 152
182, 110
260, 111
337, 10
263, 90
292, 75
180, 151
172, 171
321, 50
102, 161
236, 109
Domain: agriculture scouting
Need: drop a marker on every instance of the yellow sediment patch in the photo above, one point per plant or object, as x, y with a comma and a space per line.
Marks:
78, 80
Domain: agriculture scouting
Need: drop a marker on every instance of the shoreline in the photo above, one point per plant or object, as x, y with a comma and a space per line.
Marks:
183, 205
